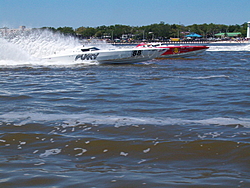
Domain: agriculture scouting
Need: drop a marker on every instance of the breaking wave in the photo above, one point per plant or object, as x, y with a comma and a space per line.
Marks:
20, 119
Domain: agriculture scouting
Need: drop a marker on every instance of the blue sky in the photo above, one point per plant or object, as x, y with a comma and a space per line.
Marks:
92, 13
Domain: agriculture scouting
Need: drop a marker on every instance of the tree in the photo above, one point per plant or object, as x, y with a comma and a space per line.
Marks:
49, 28
86, 32
66, 30
243, 29
160, 30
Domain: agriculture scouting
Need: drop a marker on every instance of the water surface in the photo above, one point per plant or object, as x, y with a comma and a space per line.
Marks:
161, 123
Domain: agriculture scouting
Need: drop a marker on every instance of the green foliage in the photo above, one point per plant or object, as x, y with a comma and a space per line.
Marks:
49, 28
66, 30
86, 32
154, 31
243, 29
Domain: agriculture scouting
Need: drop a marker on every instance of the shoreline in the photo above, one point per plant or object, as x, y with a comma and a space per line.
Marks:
181, 43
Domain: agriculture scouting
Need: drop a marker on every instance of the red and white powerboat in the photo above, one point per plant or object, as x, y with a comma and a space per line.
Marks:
174, 51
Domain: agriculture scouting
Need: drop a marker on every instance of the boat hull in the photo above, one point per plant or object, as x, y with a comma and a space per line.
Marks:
175, 51
119, 56
182, 51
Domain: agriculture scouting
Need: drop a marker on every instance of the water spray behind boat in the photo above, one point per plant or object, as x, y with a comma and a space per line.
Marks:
38, 43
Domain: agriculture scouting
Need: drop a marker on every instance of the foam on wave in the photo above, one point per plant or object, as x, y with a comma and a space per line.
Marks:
20, 119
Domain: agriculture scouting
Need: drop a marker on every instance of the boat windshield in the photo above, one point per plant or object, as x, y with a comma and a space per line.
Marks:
155, 45
89, 49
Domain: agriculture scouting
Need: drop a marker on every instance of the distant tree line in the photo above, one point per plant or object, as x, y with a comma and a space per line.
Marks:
159, 31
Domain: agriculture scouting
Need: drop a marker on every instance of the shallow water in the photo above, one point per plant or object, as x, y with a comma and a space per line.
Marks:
162, 123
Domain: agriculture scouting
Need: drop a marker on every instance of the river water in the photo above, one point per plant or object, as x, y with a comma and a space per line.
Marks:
162, 123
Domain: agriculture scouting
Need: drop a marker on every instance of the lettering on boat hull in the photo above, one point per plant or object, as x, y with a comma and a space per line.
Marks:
91, 56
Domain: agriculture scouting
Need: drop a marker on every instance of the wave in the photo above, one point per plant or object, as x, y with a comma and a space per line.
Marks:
204, 77
38, 63
230, 47
66, 120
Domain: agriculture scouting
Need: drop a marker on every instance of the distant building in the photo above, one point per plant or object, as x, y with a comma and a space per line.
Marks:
248, 30
6, 31
125, 37
223, 35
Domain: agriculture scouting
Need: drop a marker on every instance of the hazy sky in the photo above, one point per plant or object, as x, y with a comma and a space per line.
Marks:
92, 13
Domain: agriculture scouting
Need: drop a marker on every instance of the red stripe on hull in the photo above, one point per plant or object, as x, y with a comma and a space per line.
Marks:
183, 49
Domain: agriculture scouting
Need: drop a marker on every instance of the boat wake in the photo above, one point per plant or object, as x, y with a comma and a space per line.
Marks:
28, 48
230, 47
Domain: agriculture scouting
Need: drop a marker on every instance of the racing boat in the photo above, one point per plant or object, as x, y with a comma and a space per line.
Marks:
173, 51
108, 56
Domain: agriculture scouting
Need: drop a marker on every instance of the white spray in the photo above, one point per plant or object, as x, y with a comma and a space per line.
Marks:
10, 51
35, 44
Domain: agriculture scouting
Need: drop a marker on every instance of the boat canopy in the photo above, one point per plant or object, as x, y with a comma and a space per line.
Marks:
92, 48
193, 35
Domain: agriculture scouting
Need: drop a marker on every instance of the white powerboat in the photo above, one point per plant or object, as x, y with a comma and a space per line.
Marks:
109, 56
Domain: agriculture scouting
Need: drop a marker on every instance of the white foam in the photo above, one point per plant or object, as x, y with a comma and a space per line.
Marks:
81, 152
50, 152
27, 49
230, 47
73, 120
124, 154
12, 52
39, 43
225, 121
204, 77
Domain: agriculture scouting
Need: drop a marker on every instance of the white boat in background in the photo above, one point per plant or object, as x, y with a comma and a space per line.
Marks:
109, 56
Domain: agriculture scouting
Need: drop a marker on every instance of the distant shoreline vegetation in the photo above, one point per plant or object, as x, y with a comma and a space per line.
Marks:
154, 31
